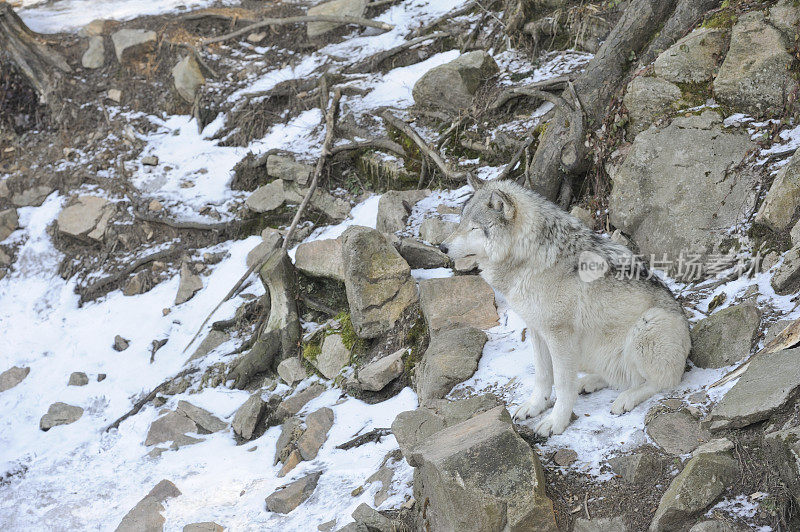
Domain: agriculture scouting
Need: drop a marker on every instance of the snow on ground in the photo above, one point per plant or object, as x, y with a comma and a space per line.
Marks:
70, 15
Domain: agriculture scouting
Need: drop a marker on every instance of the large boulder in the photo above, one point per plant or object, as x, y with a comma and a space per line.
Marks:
146, 515
343, 8
86, 218
452, 86
452, 357
130, 44
392, 213
60, 414
481, 475
466, 300
755, 76
725, 337
697, 487
786, 279
188, 77
12, 376
675, 189
648, 98
779, 210
320, 258
293, 494
768, 383
694, 58
377, 280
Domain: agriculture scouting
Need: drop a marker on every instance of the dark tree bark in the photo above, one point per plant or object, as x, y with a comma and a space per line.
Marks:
646, 27
40, 64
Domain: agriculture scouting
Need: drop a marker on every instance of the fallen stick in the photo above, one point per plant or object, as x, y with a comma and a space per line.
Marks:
374, 435
377, 144
294, 20
558, 83
371, 62
149, 397
432, 154
330, 119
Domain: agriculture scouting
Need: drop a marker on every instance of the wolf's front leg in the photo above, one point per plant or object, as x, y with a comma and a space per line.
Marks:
565, 373
540, 399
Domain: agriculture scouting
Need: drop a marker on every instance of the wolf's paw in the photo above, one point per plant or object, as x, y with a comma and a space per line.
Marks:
551, 425
591, 383
625, 402
530, 408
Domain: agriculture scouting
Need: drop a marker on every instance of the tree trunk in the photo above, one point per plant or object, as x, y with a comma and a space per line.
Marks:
605, 74
40, 64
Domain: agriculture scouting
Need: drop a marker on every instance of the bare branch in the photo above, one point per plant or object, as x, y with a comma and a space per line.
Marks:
432, 154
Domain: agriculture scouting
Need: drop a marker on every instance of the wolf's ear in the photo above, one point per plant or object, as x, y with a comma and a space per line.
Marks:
501, 202
474, 181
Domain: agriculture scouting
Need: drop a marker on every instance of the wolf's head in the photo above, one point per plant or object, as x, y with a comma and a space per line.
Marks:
486, 231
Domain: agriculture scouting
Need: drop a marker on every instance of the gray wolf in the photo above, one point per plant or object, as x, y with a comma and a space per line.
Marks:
615, 322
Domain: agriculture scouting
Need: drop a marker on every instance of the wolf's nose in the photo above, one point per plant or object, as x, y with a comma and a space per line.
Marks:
443, 247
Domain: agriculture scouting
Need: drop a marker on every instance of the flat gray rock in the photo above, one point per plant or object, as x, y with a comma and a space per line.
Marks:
12, 376
452, 357
420, 255
291, 371
146, 515
462, 301
190, 283
377, 374
677, 433
292, 495
332, 357
318, 423
95, 54
205, 420
767, 384
321, 258
248, 415
132, 43
78, 378
187, 77
60, 414
392, 215
435, 230
725, 337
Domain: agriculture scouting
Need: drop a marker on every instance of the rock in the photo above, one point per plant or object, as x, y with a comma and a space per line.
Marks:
565, 457
12, 376
171, 427
419, 255
711, 525
384, 475
293, 404
290, 432
78, 378
770, 380
452, 357
86, 218
94, 28
786, 279
95, 54
676, 432
725, 337
637, 467
247, 417
266, 198
466, 300
436, 230
138, 284
206, 526
392, 214
465, 265
336, 209
31, 197
318, 423
600, 524
333, 357
481, 475
256, 38
694, 58
114, 94
60, 414
205, 420
372, 519
785, 15
286, 168
291, 462
292, 495
291, 370
146, 515
648, 98
377, 374
120, 343
268, 244
785, 448
377, 280
321, 258
189, 285
9, 222
755, 76
187, 78
133, 43
583, 215
675, 188
451, 86
780, 206
414, 426
719, 445
212, 340
697, 487
345, 8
